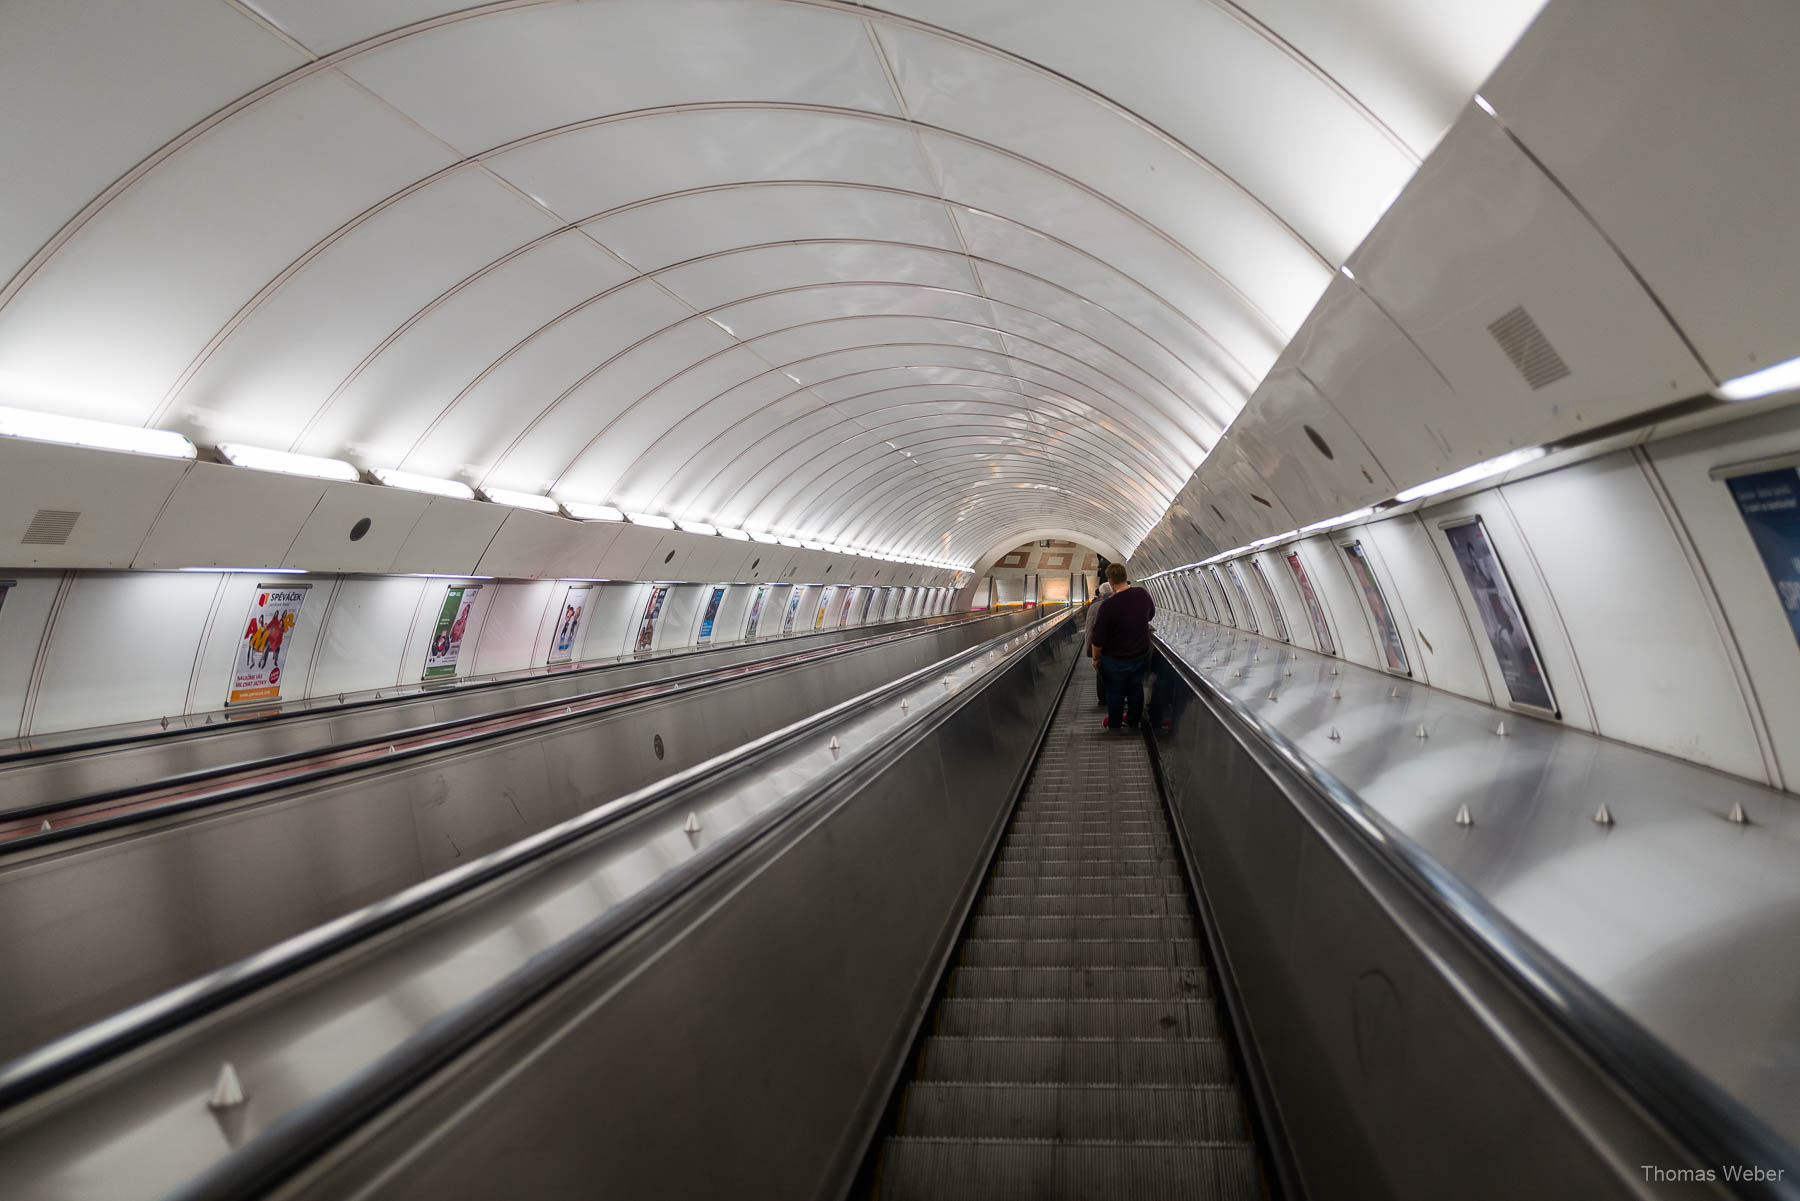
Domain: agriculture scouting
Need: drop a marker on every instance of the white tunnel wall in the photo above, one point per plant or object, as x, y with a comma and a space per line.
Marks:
81, 649
1650, 609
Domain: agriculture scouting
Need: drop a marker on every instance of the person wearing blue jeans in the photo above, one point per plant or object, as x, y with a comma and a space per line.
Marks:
1121, 648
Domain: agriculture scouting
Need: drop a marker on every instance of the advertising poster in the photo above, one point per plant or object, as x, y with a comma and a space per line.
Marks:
447, 635
1500, 614
1243, 596
1268, 595
1314, 610
787, 620
1224, 597
1769, 502
755, 610
824, 604
262, 650
568, 625
844, 613
868, 599
1386, 632
710, 615
652, 610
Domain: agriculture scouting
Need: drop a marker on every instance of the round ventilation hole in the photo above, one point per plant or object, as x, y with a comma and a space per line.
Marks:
361, 529
668, 556
1319, 441
656, 744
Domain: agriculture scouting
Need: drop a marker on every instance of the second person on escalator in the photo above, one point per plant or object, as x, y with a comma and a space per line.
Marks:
1121, 645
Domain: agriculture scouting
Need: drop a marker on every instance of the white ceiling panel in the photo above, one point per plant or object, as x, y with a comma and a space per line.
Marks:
1126, 167
537, 458
128, 76
463, 80
263, 385
107, 326
711, 282
380, 409
593, 169
847, 332
326, 25
665, 232
766, 314
473, 426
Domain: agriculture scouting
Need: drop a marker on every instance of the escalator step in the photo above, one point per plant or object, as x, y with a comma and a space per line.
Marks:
1164, 866
992, 1017
1086, 882
1009, 1170
1082, 905
1112, 1112
1088, 952
1076, 1061
1103, 983
1052, 926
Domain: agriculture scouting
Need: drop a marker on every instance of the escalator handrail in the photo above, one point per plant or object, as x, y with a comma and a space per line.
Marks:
1714, 1126
595, 703
35, 1072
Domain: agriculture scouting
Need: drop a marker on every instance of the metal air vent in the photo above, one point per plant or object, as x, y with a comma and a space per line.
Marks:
1530, 352
50, 527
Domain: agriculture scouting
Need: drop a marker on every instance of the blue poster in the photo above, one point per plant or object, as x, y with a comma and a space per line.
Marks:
712, 612
1770, 503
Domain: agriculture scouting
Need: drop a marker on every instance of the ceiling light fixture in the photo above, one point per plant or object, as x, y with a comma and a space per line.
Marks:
698, 527
100, 435
652, 520
520, 500
759, 536
735, 535
1471, 474
395, 478
287, 463
1482, 104
582, 511
1782, 377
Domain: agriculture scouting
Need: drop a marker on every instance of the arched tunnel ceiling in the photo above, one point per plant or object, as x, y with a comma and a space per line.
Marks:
916, 280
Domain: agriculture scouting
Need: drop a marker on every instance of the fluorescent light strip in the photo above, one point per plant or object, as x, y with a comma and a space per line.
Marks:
520, 500
99, 435
793, 542
249, 570
582, 511
698, 527
735, 535
759, 536
1782, 377
652, 520
1471, 474
1482, 104
258, 458
406, 480
811, 545
1334, 522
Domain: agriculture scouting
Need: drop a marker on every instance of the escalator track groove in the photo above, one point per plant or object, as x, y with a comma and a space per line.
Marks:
1075, 1049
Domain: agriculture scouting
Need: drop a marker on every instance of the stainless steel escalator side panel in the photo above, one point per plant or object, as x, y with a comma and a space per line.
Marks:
727, 995
29, 783
1406, 1058
91, 927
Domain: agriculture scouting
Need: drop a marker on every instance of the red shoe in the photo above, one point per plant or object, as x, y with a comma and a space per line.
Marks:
1106, 723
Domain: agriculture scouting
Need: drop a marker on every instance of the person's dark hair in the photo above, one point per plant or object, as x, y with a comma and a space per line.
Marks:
1115, 574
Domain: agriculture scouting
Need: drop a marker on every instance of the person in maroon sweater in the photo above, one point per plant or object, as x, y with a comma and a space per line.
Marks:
1121, 642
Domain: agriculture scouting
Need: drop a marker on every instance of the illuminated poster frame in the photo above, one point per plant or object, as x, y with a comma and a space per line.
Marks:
710, 616
1508, 632
868, 600
1212, 606
568, 626
1262, 581
646, 634
1767, 495
262, 651
1387, 633
826, 596
1314, 610
756, 606
1243, 594
793, 607
445, 647
1224, 596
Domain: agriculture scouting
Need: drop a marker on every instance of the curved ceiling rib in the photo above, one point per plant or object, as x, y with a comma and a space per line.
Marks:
924, 276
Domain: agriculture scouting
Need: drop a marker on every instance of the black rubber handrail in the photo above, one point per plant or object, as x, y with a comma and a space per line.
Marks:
1714, 1126
420, 691
642, 692
37, 1071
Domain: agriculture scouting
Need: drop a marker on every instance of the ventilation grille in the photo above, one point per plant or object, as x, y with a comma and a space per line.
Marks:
50, 527
1531, 352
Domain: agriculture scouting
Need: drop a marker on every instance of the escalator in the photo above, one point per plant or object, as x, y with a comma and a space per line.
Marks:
1076, 1049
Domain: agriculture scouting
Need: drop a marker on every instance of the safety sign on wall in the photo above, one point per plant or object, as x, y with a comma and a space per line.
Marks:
647, 627
447, 635
710, 615
755, 611
568, 623
262, 650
